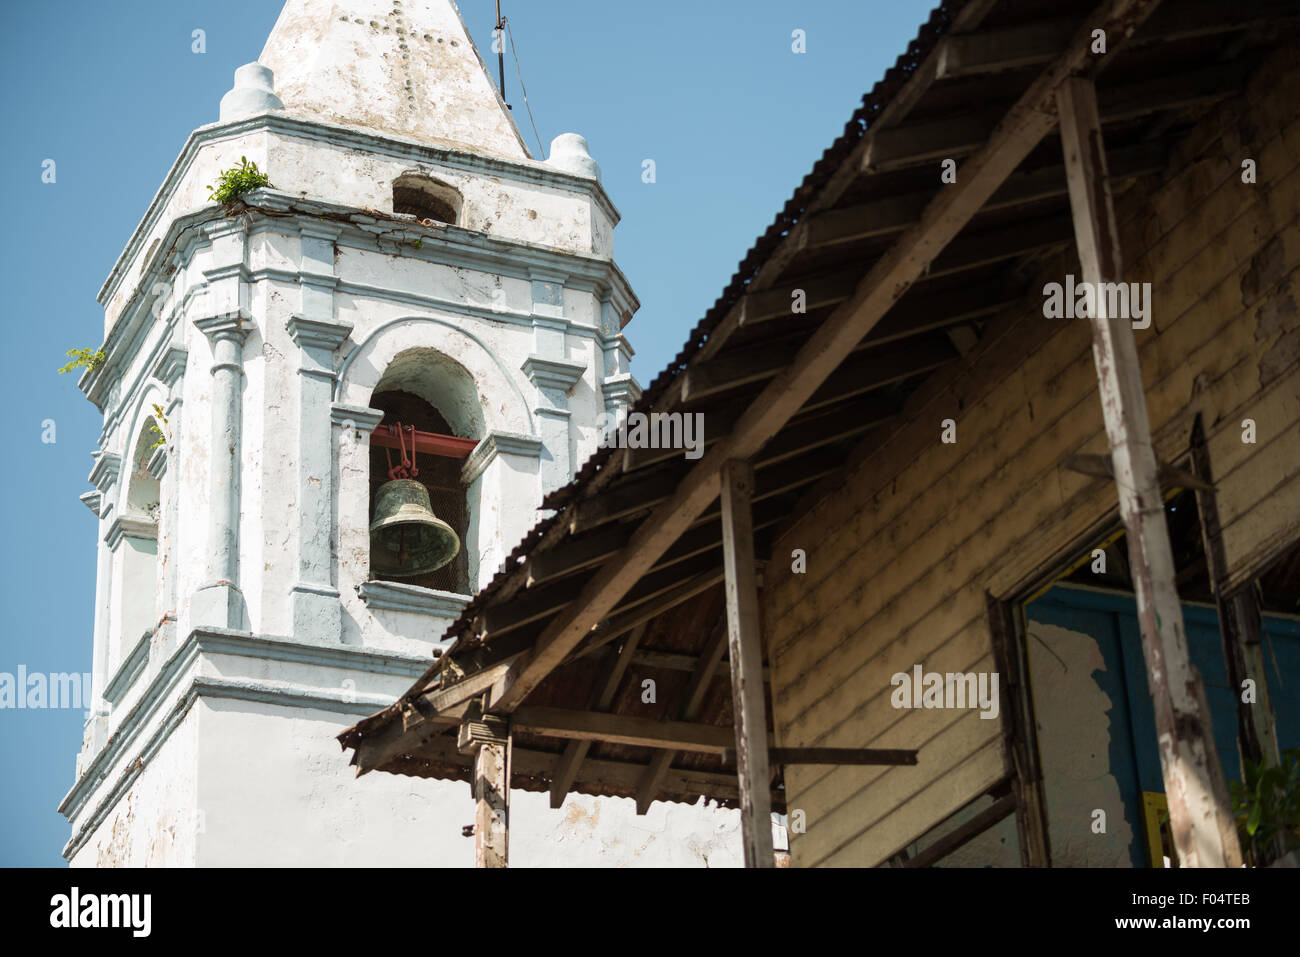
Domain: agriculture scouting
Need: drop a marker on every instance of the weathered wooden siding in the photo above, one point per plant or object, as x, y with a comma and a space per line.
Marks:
901, 552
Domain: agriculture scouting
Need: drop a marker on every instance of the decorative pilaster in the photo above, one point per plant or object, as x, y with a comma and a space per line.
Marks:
170, 370
502, 473
495, 444
103, 475
316, 278
219, 603
553, 375
619, 390
553, 379
316, 609
351, 447
133, 548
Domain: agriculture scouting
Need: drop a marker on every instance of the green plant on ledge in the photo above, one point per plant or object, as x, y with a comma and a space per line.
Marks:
90, 359
1267, 808
158, 417
237, 181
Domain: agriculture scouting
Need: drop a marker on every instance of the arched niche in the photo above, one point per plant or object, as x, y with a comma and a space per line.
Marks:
143, 492
133, 539
402, 345
426, 198
441, 382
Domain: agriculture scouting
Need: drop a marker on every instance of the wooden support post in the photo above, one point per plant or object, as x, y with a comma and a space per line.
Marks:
487, 737
1238, 620
745, 646
1246, 609
1204, 832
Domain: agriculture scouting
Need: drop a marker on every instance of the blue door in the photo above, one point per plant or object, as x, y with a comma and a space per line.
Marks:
1110, 619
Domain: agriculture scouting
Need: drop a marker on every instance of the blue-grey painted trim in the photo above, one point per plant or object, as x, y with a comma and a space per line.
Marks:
370, 337
1103, 599
446, 245
398, 596
297, 651
126, 526
130, 669
498, 443
361, 418
104, 473
511, 316
548, 373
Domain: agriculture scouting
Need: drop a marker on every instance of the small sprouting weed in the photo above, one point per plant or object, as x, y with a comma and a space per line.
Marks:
90, 359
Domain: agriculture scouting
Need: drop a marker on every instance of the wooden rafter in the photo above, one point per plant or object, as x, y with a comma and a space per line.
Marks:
688, 709
566, 769
621, 729
1022, 128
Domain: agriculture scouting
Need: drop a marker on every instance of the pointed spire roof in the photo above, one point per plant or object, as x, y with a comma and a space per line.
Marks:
406, 67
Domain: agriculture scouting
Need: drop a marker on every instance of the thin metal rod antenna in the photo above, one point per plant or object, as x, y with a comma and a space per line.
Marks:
501, 52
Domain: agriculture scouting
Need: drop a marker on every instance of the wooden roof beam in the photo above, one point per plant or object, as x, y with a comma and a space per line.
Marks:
591, 549
875, 366
899, 105
533, 604
705, 667
745, 646
1025, 124
991, 51
954, 137
920, 312
623, 729
895, 213
566, 768
596, 773
618, 624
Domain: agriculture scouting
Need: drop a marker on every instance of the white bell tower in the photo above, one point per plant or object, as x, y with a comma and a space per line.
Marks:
410, 262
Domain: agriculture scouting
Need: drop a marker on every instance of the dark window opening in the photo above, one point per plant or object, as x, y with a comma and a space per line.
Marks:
426, 198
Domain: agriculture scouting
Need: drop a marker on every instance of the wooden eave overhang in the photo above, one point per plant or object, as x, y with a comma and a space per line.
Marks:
901, 273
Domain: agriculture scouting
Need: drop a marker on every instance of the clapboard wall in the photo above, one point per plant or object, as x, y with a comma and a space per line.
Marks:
901, 551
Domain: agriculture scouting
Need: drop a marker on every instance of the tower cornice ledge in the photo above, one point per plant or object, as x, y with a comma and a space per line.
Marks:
440, 243
389, 145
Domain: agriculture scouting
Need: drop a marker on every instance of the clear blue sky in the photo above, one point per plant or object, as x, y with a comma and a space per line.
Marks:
110, 89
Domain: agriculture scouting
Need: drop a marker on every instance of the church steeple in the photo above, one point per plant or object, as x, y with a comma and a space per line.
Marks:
411, 264
405, 67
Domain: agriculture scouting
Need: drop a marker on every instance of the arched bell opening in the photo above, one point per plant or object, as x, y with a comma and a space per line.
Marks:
143, 490
136, 547
414, 450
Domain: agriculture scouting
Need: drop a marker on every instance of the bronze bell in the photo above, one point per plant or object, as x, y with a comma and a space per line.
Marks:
406, 538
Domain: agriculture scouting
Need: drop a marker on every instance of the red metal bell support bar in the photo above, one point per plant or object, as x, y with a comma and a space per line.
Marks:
402, 438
